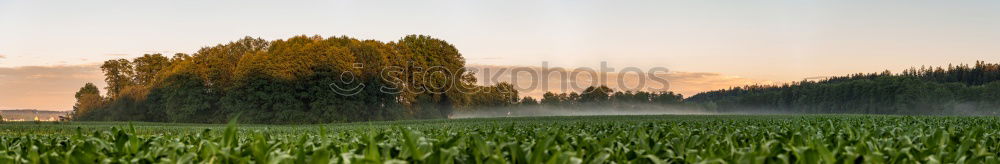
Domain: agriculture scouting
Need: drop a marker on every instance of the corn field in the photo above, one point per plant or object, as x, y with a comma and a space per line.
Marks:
590, 139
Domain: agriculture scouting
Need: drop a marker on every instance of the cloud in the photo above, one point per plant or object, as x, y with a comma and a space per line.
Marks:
45, 87
575, 80
2, 56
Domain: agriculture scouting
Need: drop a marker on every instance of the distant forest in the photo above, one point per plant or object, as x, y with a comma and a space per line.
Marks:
954, 90
289, 81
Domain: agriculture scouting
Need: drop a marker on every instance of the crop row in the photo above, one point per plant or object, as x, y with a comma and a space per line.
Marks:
604, 139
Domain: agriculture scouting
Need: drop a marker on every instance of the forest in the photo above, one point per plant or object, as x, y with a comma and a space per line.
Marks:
954, 90
290, 81
280, 81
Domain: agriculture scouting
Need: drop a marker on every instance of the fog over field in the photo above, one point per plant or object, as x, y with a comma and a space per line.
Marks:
954, 109
595, 111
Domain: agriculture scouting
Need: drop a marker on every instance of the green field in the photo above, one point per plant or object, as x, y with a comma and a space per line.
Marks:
590, 139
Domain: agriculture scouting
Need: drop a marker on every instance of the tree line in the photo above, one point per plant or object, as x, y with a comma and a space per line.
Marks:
952, 90
292, 81
504, 97
282, 81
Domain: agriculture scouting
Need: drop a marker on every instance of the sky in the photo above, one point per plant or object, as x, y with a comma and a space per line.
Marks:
759, 41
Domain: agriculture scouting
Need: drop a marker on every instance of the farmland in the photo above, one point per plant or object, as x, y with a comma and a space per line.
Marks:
589, 139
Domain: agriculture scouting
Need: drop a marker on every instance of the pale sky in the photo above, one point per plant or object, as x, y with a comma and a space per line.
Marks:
760, 40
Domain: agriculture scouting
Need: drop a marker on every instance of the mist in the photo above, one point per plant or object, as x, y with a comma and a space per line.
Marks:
542, 110
951, 109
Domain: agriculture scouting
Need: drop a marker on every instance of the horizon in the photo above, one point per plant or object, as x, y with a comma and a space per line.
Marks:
49, 49
728, 81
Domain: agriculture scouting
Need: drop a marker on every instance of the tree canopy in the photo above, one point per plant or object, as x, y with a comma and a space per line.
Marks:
284, 81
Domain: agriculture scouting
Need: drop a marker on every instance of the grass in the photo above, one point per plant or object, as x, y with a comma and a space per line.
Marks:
584, 139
